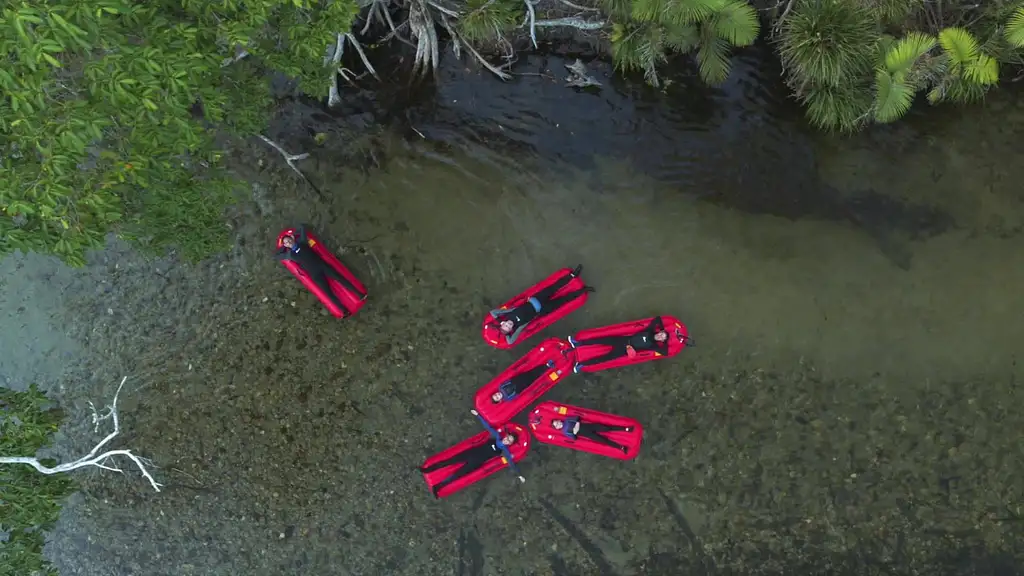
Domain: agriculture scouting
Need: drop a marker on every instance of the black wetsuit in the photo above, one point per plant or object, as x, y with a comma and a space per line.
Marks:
318, 270
592, 431
471, 460
515, 385
641, 342
545, 304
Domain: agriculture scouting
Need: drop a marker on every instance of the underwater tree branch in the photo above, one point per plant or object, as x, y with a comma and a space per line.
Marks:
93, 458
573, 22
290, 159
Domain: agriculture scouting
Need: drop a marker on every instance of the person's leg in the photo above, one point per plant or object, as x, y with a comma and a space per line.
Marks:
546, 293
522, 381
616, 352
469, 466
549, 306
595, 436
598, 427
601, 340
460, 458
320, 277
332, 273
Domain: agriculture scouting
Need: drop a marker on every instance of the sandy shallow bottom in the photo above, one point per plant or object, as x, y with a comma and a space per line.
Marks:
840, 412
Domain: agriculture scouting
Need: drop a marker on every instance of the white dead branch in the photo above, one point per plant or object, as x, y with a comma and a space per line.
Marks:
573, 22
94, 458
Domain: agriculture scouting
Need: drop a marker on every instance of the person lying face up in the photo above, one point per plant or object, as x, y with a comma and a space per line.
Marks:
512, 322
574, 428
653, 338
511, 389
296, 248
471, 460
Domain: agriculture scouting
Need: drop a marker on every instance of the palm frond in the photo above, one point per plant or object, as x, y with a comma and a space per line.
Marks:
713, 55
640, 48
829, 42
893, 11
618, 10
984, 70
1014, 31
649, 10
681, 12
957, 90
737, 22
959, 44
838, 108
487, 20
906, 52
892, 97
681, 38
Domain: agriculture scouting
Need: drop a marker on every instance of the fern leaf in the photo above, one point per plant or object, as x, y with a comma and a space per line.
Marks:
713, 56
984, 70
681, 38
1015, 28
959, 44
892, 97
640, 48
829, 42
682, 12
737, 22
907, 51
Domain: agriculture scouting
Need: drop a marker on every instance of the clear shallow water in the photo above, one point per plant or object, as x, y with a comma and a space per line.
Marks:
851, 402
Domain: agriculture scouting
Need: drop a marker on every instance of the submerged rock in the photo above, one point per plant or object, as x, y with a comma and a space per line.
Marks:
578, 75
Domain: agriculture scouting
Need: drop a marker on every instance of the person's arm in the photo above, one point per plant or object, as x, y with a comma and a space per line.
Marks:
511, 338
498, 313
284, 254
300, 234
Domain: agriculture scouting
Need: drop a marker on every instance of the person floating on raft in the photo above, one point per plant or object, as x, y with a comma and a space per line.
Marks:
513, 321
572, 427
296, 248
471, 460
654, 338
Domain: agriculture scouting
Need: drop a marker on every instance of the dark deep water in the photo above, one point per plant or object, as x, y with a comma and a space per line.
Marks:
852, 406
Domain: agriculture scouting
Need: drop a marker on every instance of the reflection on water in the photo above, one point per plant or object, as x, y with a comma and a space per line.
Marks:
851, 398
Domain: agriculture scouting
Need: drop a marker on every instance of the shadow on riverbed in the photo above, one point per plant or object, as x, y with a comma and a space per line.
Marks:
841, 415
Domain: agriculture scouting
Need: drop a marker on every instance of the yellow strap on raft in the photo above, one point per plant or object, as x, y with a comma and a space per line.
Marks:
504, 460
563, 410
553, 376
312, 243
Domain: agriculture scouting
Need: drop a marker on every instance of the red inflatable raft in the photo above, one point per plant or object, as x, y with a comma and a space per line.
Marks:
677, 340
554, 350
353, 301
518, 451
544, 432
492, 333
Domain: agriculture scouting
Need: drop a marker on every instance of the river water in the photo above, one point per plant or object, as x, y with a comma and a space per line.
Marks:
851, 405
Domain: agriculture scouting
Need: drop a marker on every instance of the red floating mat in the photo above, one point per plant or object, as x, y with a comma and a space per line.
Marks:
352, 300
628, 442
616, 337
531, 374
492, 332
498, 462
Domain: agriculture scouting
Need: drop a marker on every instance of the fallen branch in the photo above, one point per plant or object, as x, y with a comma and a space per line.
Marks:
362, 55
239, 54
92, 458
532, 14
482, 61
333, 98
290, 159
573, 22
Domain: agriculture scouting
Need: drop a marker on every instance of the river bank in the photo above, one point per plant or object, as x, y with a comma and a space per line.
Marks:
849, 406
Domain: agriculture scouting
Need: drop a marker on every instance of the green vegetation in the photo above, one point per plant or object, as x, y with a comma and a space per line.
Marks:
645, 30
29, 501
854, 62
109, 108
